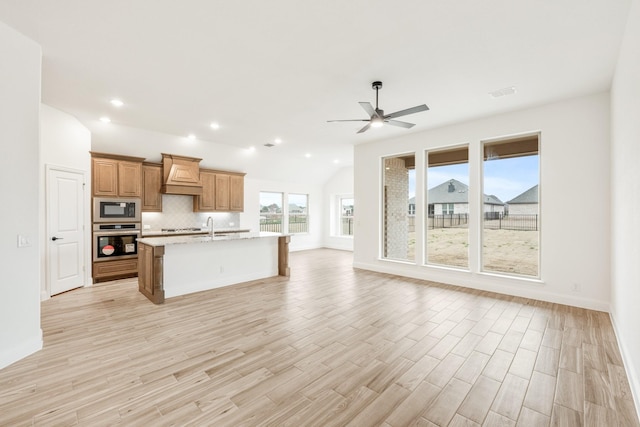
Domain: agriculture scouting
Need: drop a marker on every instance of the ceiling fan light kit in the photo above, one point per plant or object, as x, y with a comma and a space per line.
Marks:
377, 118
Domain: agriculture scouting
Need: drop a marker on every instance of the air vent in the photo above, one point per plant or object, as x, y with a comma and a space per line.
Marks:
503, 92
268, 144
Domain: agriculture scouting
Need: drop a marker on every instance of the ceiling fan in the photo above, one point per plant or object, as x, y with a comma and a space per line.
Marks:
377, 117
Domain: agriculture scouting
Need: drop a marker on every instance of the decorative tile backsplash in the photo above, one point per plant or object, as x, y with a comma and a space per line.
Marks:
177, 212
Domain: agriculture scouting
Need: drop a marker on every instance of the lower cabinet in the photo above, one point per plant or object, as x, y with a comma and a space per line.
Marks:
150, 272
118, 269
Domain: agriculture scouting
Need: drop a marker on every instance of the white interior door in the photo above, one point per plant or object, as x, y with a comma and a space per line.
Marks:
65, 229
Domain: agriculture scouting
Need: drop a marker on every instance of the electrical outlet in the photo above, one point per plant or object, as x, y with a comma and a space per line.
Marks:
23, 241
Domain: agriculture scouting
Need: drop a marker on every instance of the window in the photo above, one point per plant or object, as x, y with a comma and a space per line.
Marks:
398, 227
447, 222
511, 214
346, 216
447, 208
298, 213
271, 218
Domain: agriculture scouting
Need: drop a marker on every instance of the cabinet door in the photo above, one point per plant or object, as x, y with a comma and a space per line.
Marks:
105, 177
145, 269
222, 192
129, 179
151, 183
206, 202
236, 193
108, 270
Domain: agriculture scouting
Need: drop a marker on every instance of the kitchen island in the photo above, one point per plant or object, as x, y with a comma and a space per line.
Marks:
179, 265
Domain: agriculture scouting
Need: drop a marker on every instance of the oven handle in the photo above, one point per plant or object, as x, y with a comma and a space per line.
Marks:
116, 233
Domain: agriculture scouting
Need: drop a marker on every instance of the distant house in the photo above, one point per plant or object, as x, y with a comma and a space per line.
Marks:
452, 197
295, 209
525, 203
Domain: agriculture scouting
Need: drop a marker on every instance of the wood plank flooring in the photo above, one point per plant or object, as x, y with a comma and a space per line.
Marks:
332, 346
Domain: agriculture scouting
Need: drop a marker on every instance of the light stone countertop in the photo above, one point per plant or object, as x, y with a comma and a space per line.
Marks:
181, 240
150, 233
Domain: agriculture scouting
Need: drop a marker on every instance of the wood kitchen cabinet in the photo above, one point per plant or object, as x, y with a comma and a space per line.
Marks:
221, 192
206, 202
236, 193
151, 184
116, 269
150, 272
116, 176
129, 179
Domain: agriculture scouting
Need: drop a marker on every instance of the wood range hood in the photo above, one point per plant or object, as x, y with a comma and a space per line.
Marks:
181, 175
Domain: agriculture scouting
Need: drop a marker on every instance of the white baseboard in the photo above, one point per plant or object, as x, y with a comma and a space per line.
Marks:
20, 351
524, 288
631, 370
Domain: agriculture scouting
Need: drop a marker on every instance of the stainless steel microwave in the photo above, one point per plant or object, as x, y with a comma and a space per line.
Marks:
116, 210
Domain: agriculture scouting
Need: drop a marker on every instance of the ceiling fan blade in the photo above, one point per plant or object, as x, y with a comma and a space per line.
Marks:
368, 108
354, 120
400, 124
406, 112
364, 129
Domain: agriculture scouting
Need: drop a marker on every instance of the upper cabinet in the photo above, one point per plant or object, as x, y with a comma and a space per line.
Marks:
116, 176
221, 192
151, 184
206, 202
236, 193
124, 176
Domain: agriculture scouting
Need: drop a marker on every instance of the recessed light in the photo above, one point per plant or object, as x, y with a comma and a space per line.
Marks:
336, 161
117, 103
251, 149
277, 141
191, 137
215, 125
307, 155
105, 119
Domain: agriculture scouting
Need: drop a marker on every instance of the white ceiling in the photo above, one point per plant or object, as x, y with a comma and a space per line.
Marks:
282, 68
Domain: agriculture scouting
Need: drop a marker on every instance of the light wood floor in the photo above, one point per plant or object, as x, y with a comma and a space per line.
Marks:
330, 346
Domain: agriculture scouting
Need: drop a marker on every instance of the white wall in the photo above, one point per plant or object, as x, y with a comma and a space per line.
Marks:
625, 199
261, 166
340, 184
574, 152
20, 333
64, 142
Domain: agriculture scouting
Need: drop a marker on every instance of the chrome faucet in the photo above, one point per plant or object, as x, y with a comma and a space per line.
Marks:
210, 227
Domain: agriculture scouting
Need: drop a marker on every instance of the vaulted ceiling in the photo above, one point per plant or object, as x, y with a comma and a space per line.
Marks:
282, 68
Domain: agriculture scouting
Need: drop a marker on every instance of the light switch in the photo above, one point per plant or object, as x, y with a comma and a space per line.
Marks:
23, 241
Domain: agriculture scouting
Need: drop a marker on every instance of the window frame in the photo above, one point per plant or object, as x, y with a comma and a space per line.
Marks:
340, 217
306, 215
510, 154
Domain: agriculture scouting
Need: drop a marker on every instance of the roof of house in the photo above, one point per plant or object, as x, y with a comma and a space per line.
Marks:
529, 196
454, 191
492, 200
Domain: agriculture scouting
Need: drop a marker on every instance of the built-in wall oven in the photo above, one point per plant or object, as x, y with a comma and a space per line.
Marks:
110, 210
115, 241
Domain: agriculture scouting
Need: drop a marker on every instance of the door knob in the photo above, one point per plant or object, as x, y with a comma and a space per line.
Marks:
54, 238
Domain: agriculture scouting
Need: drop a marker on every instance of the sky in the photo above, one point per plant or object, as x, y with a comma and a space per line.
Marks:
504, 178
